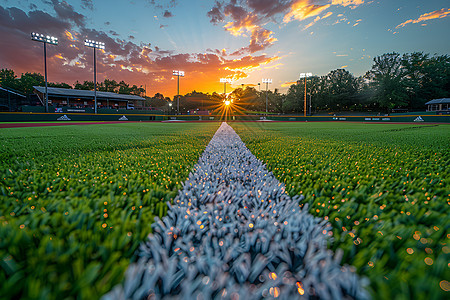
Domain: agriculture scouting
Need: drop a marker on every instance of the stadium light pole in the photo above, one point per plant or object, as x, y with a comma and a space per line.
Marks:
267, 81
225, 81
46, 39
178, 74
305, 75
170, 108
95, 45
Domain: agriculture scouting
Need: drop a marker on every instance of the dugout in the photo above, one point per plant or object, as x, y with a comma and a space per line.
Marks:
72, 100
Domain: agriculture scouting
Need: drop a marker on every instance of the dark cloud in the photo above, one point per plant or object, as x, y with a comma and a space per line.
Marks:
237, 13
245, 19
70, 60
163, 4
215, 14
261, 38
65, 11
167, 14
88, 4
107, 23
249, 17
269, 8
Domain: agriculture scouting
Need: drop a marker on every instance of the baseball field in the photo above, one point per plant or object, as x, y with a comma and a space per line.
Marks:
77, 201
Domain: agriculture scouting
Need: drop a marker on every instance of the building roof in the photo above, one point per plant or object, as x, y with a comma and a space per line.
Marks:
62, 92
439, 101
8, 90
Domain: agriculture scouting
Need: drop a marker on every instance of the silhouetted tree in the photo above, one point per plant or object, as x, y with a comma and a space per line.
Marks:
388, 78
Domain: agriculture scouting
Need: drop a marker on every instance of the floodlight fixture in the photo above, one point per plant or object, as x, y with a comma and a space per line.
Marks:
305, 75
95, 45
38, 37
267, 81
179, 74
45, 39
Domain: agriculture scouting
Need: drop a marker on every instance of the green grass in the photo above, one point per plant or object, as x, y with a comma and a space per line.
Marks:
383, 187
76, 201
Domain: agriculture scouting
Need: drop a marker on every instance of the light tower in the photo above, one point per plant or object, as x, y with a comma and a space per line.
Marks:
178, 74
267, 81
46, 39
305, 75
225, 81
95, 45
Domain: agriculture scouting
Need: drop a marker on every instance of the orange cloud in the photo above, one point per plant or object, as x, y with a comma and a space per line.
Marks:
438, 14
241, 27
69, 35
260, 38
288, 84
317, 19
302, 9
353, 3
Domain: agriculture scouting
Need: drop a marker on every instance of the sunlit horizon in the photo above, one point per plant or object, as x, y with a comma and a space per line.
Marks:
243, 41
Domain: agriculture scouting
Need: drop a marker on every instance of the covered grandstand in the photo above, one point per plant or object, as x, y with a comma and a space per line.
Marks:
82, 100
439, 105
11, 100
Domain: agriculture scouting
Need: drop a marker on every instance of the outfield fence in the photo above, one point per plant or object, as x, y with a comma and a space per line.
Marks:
135, 116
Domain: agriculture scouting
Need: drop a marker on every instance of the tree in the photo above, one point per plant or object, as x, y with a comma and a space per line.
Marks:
275, 101
86, 85
108, 86
341, 88
28, 80
8, 78
388, 78
428, 77
157, 101
294, 101
60, 85
245, 99
124, 88
198, 100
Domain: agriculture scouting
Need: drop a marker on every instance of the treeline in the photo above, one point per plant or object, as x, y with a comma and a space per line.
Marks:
395, 81
25, 84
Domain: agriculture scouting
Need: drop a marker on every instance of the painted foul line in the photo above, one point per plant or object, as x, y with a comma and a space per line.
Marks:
234, 233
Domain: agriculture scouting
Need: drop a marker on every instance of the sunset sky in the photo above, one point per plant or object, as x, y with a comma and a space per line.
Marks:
244, 40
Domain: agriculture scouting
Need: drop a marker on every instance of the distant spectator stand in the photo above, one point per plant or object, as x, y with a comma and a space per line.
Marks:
80, 99
440, 106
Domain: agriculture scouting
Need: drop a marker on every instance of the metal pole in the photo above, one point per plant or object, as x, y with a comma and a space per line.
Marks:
310, 103
95, 81
267, 88
305, 99
9, 102
45, 71
224, 88
178, 94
